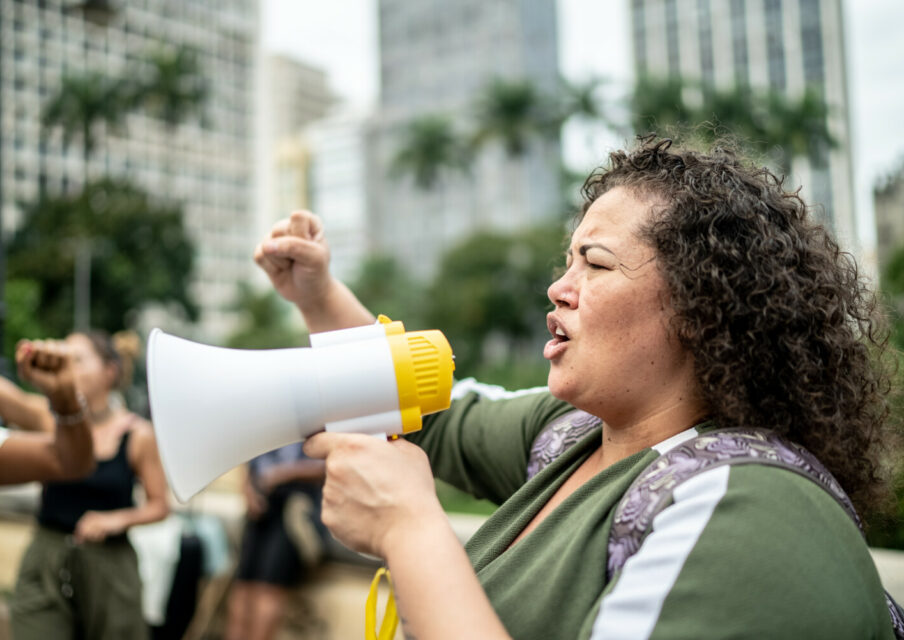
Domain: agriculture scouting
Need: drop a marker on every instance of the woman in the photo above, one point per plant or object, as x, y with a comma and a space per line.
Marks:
271, 559
79, 576
65, 454
697, 294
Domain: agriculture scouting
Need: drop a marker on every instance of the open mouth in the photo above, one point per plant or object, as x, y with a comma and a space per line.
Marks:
555, 347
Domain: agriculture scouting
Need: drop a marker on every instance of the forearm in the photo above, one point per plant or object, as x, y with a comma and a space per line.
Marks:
437, 592
337, 308
151, 511
27, 411
73, 448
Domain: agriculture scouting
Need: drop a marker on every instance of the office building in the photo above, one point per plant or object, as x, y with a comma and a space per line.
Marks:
436, 58
205, 163
782, 45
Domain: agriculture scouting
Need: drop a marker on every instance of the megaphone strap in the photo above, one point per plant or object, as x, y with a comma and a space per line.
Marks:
390, 617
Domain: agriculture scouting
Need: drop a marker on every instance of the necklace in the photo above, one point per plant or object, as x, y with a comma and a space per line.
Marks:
99, 416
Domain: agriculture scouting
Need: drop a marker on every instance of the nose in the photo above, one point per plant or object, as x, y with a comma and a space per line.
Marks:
562, 292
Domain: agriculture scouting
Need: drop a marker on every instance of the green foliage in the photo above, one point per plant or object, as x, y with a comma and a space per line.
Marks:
490, 295
23, 313
267, 321
514, 111
140, 253
81, 103
769, 122
170, 84
887, 529
430, 147
383, 286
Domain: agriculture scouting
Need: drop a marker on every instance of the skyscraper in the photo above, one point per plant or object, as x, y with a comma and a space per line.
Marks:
205, 163
782, 45
435, 57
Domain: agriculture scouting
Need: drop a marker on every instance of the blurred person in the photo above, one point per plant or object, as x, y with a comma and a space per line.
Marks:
79, 577
68, 452
697, 296
282, 540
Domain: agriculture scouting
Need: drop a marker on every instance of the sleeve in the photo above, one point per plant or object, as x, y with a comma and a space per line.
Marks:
747, 552
4, 434
482, 442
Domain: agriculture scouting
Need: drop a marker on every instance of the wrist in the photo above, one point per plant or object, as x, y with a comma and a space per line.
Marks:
427, 525
69, 408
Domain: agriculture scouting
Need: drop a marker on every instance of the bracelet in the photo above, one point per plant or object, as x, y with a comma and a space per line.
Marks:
71, 419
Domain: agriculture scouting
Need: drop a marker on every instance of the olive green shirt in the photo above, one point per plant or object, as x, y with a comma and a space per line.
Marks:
744, 551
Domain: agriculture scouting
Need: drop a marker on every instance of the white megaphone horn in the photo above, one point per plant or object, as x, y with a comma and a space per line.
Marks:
214, 408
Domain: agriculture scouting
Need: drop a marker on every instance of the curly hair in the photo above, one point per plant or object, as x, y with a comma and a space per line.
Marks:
784, 332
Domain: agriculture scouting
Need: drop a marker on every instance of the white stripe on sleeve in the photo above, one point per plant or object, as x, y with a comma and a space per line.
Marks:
632, 608
490, 391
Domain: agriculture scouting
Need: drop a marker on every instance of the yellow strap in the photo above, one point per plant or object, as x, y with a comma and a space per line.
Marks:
390, 617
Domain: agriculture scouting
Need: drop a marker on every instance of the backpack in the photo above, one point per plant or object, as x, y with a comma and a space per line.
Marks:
651, 491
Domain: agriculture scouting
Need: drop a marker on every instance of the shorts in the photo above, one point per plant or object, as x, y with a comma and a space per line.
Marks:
269, 552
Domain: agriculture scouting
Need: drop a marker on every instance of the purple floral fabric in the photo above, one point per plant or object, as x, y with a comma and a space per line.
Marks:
652, 490
558, 436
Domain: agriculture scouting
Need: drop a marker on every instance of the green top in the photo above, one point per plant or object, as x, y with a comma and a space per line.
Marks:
744, 551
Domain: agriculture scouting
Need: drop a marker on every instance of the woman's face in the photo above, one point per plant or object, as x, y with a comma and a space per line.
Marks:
611, 353
93, 377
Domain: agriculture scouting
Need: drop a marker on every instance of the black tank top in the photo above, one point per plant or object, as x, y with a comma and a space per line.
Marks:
108, 488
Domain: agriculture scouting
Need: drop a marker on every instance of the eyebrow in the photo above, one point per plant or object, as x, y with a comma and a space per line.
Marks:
584, 248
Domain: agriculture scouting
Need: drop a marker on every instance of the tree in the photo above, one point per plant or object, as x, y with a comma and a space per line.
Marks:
171, 85
266, 321
140, 253
513, 112
81, 103
490, 298
384, 286
430, 146
769, 122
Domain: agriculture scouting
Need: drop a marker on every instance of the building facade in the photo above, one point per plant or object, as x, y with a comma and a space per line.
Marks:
435, 58
888, 200
205, 163
782, 45
293, 95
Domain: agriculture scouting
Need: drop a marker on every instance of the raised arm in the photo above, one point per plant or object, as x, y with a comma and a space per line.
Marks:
65, 449
296, 257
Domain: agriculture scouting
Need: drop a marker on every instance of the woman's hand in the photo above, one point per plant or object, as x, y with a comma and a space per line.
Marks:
374, 489
47, 364
97, 526
296, 258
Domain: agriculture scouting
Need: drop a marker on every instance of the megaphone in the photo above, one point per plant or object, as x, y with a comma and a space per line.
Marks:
215, 408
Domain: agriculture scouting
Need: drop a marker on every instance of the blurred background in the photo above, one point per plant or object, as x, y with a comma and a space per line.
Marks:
147, 146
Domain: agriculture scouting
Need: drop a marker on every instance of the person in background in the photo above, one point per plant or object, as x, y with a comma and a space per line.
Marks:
282, 541
66, 453
79, 577
697, 295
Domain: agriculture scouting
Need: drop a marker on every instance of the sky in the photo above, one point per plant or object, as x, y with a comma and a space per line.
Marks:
594, 40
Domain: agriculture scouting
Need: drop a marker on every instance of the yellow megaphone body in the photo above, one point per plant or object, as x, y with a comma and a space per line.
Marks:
214, 408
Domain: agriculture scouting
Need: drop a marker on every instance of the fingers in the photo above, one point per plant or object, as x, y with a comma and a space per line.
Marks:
322, 444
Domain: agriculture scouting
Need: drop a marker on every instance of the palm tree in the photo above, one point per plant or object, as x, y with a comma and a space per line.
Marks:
514, 111
768, 122
430, 146
171, 86
80, 104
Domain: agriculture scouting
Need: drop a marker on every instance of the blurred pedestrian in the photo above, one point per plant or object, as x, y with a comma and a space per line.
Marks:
79, 577
282, 541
